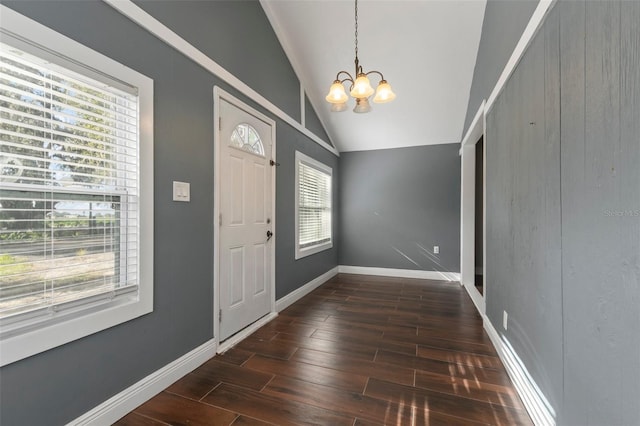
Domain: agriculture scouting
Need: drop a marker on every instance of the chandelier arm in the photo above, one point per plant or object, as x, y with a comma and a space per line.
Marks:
349, 78
376, 72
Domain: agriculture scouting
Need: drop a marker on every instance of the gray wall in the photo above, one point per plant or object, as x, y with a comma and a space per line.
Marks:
600, 168
396, 204
523, 213
291, 273
313, 122
239, 37
504, 22
59, 385
563, 211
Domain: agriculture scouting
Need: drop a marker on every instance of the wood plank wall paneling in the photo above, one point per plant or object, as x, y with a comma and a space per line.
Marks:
357, 351
524, 210
628, 229
601, 195
563, 211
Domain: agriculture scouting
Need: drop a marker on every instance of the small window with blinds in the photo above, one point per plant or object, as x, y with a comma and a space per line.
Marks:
313, 206
70, 205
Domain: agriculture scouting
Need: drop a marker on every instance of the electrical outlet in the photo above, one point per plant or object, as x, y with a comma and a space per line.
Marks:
505, 318
436, 249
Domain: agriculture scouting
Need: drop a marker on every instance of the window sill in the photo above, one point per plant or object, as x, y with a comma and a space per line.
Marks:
308, 251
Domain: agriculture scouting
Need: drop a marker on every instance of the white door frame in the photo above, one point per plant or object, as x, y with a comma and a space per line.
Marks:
218, 95
467, 210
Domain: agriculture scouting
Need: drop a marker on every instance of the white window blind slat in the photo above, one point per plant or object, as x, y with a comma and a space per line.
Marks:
123, 157
96, 133
29, 68
46, 96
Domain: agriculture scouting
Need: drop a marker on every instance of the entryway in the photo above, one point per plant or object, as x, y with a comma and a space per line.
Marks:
245, 210
472, 224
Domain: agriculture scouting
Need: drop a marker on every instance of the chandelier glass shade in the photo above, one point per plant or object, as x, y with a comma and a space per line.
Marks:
360, 88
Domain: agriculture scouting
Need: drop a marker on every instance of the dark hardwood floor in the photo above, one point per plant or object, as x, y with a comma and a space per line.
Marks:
359, 350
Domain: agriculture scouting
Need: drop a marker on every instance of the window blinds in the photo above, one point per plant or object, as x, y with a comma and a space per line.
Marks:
68, 187
314, 208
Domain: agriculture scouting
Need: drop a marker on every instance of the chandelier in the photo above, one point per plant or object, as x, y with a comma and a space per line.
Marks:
360, 88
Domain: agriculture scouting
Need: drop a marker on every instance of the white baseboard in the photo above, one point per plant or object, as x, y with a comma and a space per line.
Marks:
400, 273
126, 401
532, 397
245, 332
295, 295
476, 297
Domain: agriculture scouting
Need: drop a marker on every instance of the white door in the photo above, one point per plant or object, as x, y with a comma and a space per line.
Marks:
246, 194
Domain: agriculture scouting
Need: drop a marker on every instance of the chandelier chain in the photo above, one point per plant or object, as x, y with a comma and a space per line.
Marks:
356, 32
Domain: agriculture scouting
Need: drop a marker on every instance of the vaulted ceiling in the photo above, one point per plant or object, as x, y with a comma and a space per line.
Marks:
426, 50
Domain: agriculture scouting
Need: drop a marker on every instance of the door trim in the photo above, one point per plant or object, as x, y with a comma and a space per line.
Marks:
218, 95
477, 130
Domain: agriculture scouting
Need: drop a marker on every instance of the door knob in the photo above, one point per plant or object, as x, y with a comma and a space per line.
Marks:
269, 235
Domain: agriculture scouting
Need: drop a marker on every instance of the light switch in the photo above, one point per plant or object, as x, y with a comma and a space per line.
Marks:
181, 191
436, 249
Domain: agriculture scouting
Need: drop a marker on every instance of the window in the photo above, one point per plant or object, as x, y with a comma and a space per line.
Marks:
245, 137
313, 206
75, 188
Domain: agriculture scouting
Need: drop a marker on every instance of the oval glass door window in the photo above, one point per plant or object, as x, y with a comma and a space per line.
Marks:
245, 137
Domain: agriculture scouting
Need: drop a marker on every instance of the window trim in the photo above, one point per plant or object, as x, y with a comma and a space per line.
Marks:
72, 324
316, 248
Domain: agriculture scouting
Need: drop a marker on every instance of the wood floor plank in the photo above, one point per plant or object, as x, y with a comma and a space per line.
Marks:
465, 358
309, 373
473, 389
273, 409
174, 409
366, 322
366, 352
354, 365
447, 404
248, 421
390, 345
414, 416
217, 371
352, 329
268, 348
460, 371
235, 356
193, 386
296, 329
135, 419
454, 345
352, 403
475, 336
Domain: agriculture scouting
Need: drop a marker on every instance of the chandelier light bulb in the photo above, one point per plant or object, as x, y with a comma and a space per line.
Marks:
337, 94
384, 93
362, 88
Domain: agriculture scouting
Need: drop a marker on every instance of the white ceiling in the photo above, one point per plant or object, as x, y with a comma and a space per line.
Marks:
426, 50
